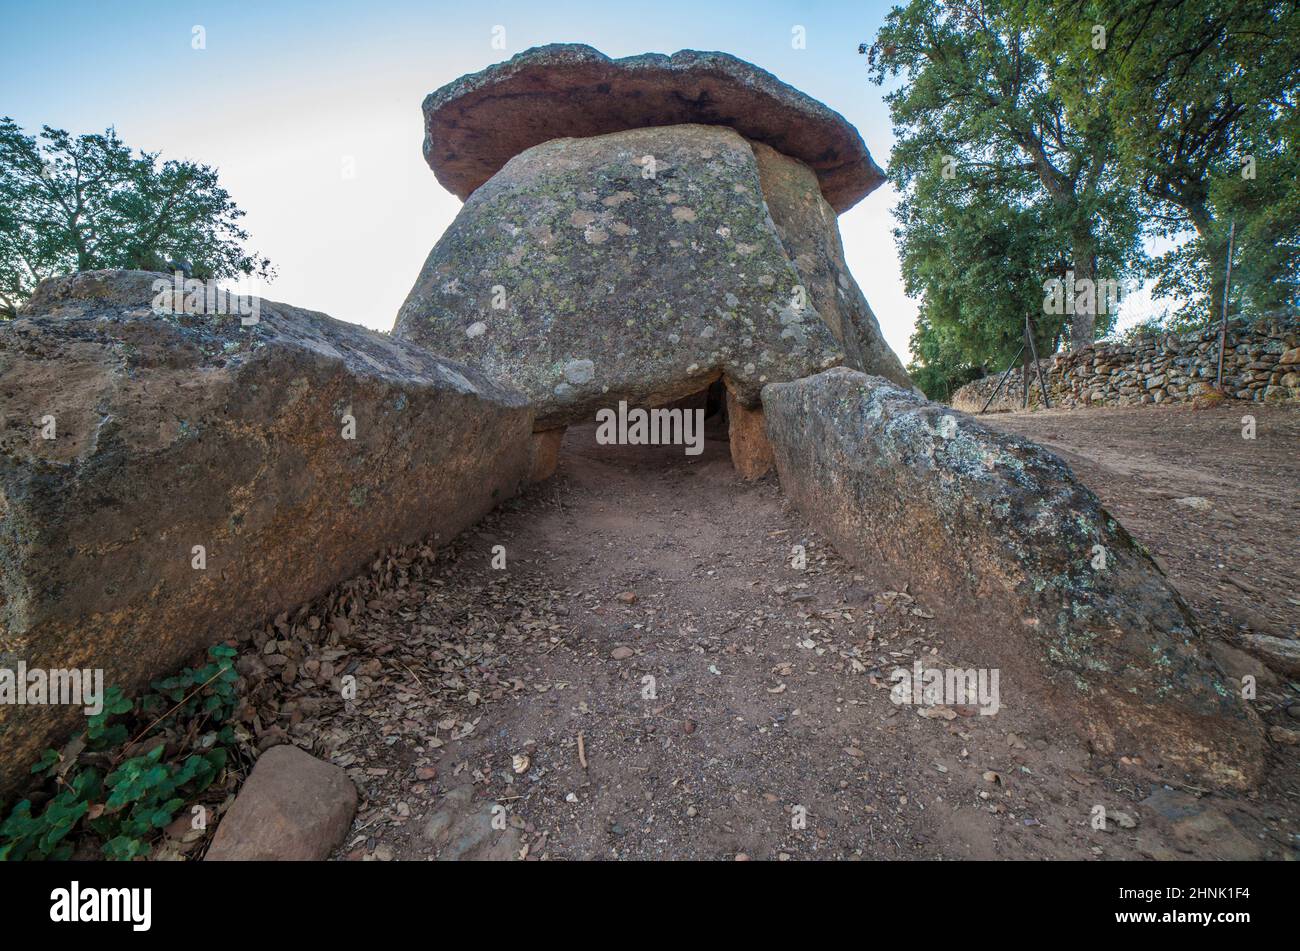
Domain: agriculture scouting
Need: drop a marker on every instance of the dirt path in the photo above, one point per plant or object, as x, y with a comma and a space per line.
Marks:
1219, 511
520, 696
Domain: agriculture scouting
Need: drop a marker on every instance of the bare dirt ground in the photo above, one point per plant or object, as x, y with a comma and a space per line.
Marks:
506, 713
1220, 512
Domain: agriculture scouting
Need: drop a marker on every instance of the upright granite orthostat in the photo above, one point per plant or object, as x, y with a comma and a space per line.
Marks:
635, 229
167, 479
998, 537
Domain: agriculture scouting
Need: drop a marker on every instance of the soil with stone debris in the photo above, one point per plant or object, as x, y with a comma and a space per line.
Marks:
650, 676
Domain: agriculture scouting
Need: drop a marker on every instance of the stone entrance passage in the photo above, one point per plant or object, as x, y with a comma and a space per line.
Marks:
681, 427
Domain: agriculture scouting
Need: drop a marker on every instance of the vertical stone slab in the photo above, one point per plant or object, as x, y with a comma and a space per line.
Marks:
545, 454
204, 475
751, 452
1028, 572
810, 234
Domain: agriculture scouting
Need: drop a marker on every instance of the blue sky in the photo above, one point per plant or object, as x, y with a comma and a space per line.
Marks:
285, 94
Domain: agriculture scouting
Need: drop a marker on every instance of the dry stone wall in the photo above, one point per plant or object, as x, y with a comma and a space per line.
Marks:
1010, 396
1261, 363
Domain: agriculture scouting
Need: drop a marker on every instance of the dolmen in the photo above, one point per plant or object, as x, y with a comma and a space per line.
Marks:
635, 231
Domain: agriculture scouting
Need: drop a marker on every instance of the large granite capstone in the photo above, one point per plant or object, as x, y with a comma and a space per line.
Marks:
1025, 569
473, 126
640, 266
199, 478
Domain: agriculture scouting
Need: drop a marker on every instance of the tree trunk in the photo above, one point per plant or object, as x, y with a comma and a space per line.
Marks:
1024, 376
1083, 325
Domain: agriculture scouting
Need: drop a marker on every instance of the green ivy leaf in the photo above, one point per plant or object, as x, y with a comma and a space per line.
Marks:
48, 759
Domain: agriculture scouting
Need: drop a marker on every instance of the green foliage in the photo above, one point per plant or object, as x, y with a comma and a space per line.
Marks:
970, 259
939, 366
1263, 215
126, 804
1002, 188
1072, 130
75, 204
1202, 99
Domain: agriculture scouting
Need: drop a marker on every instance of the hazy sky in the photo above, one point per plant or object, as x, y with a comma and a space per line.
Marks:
285, 95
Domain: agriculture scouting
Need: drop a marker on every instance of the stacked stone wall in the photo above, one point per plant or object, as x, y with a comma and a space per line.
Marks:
1261, 362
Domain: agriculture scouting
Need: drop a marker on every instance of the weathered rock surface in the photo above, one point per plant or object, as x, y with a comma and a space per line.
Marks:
581, 281
462, 831
183, 431
546, 454
1009, 547
1237, 664
1280, 653
292, 808
473, 126
751, 451
811, 238
1194, 826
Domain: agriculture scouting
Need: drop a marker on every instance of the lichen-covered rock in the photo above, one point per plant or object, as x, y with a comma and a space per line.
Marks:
1031, 575
585, 274
473, 126
198, 475
811, 238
